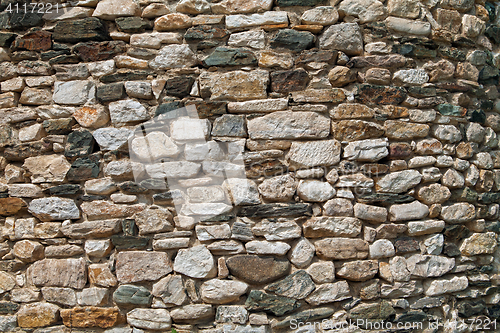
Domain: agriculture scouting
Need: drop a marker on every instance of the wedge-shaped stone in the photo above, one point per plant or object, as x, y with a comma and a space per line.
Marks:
398, 182
91, 229
329, 292
58, 273
429, 265
341, 248
323, 226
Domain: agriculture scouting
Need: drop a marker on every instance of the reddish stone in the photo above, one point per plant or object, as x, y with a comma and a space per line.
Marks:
91, 316
97, 51
406, 244
399, 151
35, 41
371, 94
287, 81
374, 169
351, 130
9, 206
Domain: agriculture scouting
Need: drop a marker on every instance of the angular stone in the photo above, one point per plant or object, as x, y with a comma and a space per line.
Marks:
83, 30
188, 313
332, 226
341, 248
241, 86
142, 266
408, 26
50, 209
365, 10
458, 213
127, 111
171, 290
351, 130
254, 39
37, 315
360, 270
329, 292
446, 285
257, 270
418, 228
400, 130
196, 262
267, 248
258, 300
345, 37
59, 273
370, 213
372, 94
319, 96
279, 188
366, 150
287, 81
479, 243
91, 317
47, 168
429, 265
292, 40
110, 10
226, 56
217, 291
398, 182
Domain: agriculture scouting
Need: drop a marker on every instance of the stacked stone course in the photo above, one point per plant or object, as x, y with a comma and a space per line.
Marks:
369, 136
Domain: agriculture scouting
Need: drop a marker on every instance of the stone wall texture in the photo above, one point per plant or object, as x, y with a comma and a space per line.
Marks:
369, 135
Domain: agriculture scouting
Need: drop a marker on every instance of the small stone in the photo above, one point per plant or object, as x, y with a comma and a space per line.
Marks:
236, 7
171, 290
345, 37
329, 292
254, 39
341, 248
126, 111
292, 40
258, 300
366, 150
302, 253
100, 274
316, 153
399, 182
360, 270
405, 212
408, 26
315, 190
190, 312
279, 188
47, 168
365, 10
257, 270
382, 248
73, 92
323, 226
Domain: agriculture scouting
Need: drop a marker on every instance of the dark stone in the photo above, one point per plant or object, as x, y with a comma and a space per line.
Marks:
227, 56
430, 102
257, 270
205, 32
167, 198
129, 227
84, 168
97, 51
493, 311
53, 54
266, 168
453, 87
208, 44
488, 75
208, 109
79, 143
489, 197
385, 61
132, 24
34, 41
110, 92
310, 315
22, 151
379, 310
8, 307
464, 194
476, 116
494, 33
287, 3
125, 75
411, 317
153, 184
452, 53
64, 59
6, 38
170, 110
491, 11
141, 53
461, 41
293, 40
241, 231
493, 226
399, 151
129, 294
374, 169
61, 126
179, 86
415, 51
64, 189
297, 285
277, 305
291, 80
277, 209
123, 242
454, 233
23, 55
27, 67
406, 245
219, 218
93, 197
315, 55
84, 30
385, 198
487, 105
20, 20
451, 110
451, 250
132, 187
230, 125
470, 308
420, 92
6, 136
372, 94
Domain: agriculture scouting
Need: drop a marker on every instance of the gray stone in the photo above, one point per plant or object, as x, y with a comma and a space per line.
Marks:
404, 212
196, 262
458, 213
323, 226
217, 291
366, 150
328, 293
73, 92
174, 56
127, 111
152, 319
429, 265
54, 209
446, 285
345, 37
58, 273
314, 153
297, 285
110, 138
137, 266
399, 182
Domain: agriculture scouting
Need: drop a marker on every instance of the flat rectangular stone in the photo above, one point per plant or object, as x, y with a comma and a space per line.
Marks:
281, 210
58, 273
263, 105
243, 21
318, 96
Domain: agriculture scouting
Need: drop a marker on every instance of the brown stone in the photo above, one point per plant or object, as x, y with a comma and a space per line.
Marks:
257, 270
360, 270
316, 55
97, 51
340, 76
91, 316
374, 169
351, 130
450, 20
341, 248
101, 275
287, 81
386, 61
379, 76
402, 130
35, 41
406, 245
399, 150
464, 150
137, 266
58, 273
10, 206
372, 94
174, 21
28, 251
390, 231
37, 315
309, 27
351, 111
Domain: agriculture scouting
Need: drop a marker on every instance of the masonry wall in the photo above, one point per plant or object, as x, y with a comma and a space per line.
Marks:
367, 131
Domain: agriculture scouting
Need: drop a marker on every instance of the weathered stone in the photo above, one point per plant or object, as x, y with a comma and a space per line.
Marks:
399, 182
291, 80
446, 285
188, 313
258, 300
142, 266
37, 315
110, 10
458, 213
257, 270
91, 317
292, 40
196, 262
269, 17
332, 226
372, 94
418, 228
83, 30
479, 243
341, 248
279, 188
174, 56
370, 213
360, 270
217, 291
411, 211
345, 37
58, 273
329, 292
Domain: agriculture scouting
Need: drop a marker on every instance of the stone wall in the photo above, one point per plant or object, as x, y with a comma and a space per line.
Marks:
368, 133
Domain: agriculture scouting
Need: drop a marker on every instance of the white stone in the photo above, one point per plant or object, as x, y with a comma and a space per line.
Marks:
446, 285
382, 248
244, 21
190, 129
127, 111
408, 26
322, 272
263, 105
255, 39
411, 76
429, 265
453, 179
365, 10
366, 150
171, 290
180, 169
458, 213
92, 296
314, 153
404, 212
269, 248
315, 190
472, 26
399, 182
139, 89
31, 133
447, 133
100, 68
174, 56
73, 92
202, 151
155, 40
154, 146
110, 138
111, 9
434, 244
242, 191
419, 228
196, 262
322, 15
151, 319
345, 37
54, 209
302, 253
98, 247
222, 291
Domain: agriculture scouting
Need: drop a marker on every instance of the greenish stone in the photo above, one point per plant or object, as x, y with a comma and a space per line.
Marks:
470, 308
487, 105
380, 310
451, 250
132, 24
153, 184
493, 226
464, 194
64, 59
226, 56
276, 209
288, 3
493, 311
61, 126
22, 151
476, 116
84, 168
79, 143
277, 305
293, 40
128, 294
93, 197
489, 75
462, 41
489, 197
8, 307
129, 227
452, 53
456, 232
389, 198
421, 92
304, 316
125, 75
25, 20
179, 86
170, 110
110, 92
64, 189
230, 125
297, 285
75, 31
494, 33
6, 38
451, 110
491, 11
123, 242
132, 187
53, 54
